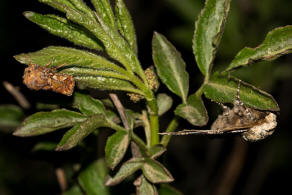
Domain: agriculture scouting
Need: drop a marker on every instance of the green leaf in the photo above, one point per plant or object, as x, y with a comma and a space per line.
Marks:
10, 116
194, 111
62, 28
105, 83
166, 189
76, 71
116, 46
277, 43
125, 24
170, 66
143, 187
156, 151
80, 5
66, 56
164, 103
45, 122
208, 32
223, 89
45, 146
127, 169
75, 135
156, 172
92, 179
116, 147
103, 7
57, 4
74, 190
88, 105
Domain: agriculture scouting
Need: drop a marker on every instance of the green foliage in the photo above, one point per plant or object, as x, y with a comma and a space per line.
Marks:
208, 32
164, 103
45, 122
116, 147
92, 178
10, 117
170, 66
193, 111
112, 64
277, 43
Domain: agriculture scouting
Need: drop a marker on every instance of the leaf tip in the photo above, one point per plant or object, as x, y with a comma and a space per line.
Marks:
19, 133
108, 181
28, 14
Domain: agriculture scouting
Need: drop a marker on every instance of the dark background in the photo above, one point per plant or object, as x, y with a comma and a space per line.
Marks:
200, 165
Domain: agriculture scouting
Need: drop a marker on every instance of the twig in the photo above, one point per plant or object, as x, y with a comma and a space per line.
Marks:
17, 95
232, 168
120, 109
61, 177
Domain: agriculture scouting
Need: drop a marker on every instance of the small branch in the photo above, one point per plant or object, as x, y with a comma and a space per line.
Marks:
17, 95
123, 116
61, 177
232, 168
171, 127
120, 109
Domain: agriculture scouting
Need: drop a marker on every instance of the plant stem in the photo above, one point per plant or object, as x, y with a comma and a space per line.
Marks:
135, 138
154, 123
123, 116
139, 142
171, 127
120, 109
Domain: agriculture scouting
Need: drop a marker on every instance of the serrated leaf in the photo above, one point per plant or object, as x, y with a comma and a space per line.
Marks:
223, 89
278, 42
116, 147
193, 111
45, 122
170, 66
115, 45
61, 27
118, 48
92, 179
103, 7
88, 105
156, 172
104, 83
66, 56
125, 24
45, 146
143, 187
127, 169
208, 31
10, 116
164, 103
75, 135
74, 190
166, 189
